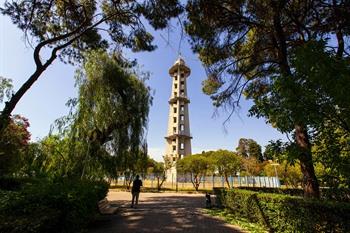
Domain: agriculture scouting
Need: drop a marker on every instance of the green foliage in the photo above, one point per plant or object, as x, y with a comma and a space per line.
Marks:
230, 218
290, 175
331, 151
104, 132
227, 163
251, 167
323, 98
75, 26
265, 51
249, 148
13, 142
5, 89
51, 206
197, 165
283, 213
276, 150
67, 29
158, 169
210, 85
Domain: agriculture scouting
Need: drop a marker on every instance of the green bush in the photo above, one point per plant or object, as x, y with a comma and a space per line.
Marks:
283, 213
287, 191
47, 206
337, 194
10, 183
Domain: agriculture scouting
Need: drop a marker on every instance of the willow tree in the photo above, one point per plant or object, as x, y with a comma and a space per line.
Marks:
65, 29
266, 51
109, 117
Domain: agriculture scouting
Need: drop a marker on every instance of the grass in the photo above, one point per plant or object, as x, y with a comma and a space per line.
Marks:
231, 219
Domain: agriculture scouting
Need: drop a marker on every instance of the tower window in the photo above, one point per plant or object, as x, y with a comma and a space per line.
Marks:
182, 108
175, 77
182, 82
175, 93
182, 92
174, 119
174, 148
174, 129
175, 85
182, 117
182, 75
174, 159
182, 127
174, 140
182, 86
182, 146
175, 110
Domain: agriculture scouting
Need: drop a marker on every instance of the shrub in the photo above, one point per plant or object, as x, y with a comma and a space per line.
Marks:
287, 191
60, 206
283, 213
336, 194
9, 183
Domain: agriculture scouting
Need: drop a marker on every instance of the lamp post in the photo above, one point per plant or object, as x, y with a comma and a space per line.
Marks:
275, 165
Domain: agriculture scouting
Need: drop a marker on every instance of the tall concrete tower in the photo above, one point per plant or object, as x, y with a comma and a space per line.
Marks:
178, 139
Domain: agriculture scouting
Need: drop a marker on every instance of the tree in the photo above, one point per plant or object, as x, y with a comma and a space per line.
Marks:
13, 142
274, 150
197, 165
158, 169
251, 167
68, 28
332, 156
290, 175
105, 128
48, 157
249, 148
6, 89
15, 137
243, 147
227, 163
250, 51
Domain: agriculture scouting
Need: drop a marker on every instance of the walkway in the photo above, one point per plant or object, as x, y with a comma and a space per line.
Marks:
160, 212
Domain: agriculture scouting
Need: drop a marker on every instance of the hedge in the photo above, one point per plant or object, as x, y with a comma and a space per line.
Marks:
337, 194
60, 206
284, 213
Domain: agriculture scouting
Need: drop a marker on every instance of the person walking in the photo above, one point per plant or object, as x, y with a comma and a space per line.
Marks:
135, 191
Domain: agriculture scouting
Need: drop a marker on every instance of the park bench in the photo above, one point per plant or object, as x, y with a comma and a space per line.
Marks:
106, 208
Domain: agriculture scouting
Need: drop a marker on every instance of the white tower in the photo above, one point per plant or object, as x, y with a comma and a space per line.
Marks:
178, 139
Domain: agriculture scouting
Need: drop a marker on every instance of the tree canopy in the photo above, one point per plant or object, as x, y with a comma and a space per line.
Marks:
265, 51
226, 163
196, 165
68, 28
249, 148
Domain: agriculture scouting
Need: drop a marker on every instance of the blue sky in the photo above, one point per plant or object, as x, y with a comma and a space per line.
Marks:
46, 100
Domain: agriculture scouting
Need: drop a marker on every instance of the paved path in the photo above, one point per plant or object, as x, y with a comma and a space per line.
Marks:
160, 212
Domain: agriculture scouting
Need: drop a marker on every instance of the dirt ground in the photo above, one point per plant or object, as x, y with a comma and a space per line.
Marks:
160, 212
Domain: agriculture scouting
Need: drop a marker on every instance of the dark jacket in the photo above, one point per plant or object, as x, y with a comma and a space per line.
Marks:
136, 185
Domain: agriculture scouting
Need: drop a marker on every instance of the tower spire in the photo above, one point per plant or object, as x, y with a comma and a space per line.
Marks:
178, 138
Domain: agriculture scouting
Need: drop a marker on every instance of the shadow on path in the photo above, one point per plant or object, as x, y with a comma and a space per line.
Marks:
157, 213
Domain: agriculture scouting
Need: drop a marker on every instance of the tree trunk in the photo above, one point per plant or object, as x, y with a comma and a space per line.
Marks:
196, 183
158, 186
311, 186
11, 104
227, 182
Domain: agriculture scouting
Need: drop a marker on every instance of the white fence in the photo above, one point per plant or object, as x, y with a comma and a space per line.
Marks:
209, 182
